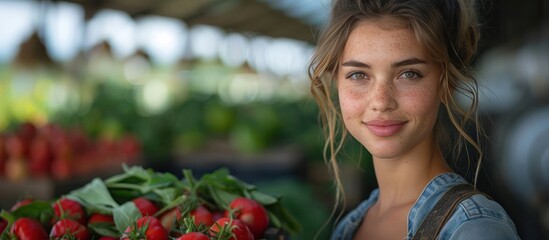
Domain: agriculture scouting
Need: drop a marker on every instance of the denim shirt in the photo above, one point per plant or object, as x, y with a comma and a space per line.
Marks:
476, 217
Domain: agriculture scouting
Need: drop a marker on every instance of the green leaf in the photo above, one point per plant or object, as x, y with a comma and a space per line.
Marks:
286, 219
138, 171
7, 216
5, 235
94, 196
274, 220
10, 218
124, 179
180, 201
222, 198
162, 180
133, 175
124, 195
263, 198
105, 229
125, 215
166, 195
158, 182
39, 210
221, 179
141, 180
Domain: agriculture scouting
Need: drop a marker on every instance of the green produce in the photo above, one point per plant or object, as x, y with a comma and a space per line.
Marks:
144, 204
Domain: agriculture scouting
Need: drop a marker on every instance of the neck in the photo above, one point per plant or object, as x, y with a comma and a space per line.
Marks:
402, 179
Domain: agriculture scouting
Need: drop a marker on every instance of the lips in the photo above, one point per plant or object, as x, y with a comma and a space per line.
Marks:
385, 128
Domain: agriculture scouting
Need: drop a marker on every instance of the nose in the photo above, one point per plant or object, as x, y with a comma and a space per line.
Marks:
383, 97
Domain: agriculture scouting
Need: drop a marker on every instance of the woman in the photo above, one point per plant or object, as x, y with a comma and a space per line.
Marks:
385, 72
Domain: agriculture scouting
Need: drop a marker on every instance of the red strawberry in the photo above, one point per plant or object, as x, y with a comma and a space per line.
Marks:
68, 208
71, 229
28, 229
252, 213
202, 216
146, 228
238, 229
145, 206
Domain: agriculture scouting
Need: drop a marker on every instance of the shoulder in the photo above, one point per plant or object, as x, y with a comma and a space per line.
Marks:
478, 217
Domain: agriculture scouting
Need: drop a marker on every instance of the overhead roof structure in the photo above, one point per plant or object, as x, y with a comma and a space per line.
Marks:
301, 19
297, 19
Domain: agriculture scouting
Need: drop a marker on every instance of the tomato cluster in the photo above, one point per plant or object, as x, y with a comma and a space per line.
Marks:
246, 219
32, 151
143, 204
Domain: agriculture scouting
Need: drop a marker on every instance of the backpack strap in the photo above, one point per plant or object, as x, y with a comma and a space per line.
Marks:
433, 223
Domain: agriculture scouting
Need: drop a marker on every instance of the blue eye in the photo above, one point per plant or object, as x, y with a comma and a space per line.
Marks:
357, 76
411, 75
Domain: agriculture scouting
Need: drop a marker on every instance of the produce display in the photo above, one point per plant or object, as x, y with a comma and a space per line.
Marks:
143, 204
31, 151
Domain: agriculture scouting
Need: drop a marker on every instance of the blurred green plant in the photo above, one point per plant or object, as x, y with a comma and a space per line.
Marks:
188, 125
304, 205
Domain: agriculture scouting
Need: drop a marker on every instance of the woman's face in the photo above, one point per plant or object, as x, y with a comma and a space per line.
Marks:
388, 89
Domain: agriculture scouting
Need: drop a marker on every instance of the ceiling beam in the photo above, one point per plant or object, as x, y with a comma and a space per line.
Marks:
250, 16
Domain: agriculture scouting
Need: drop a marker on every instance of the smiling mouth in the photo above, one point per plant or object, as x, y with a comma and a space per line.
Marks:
384, 128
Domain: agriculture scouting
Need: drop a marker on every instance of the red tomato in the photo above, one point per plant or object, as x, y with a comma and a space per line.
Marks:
3, 154
218, 214
40, 156
27, 130
71, 229
238, 228
194, 236
28, 229
100, 218
170, 218
3, 225
145, 206
107, 238
62, 168
16, 146
146, 228
252, 213
67, 208
202, 216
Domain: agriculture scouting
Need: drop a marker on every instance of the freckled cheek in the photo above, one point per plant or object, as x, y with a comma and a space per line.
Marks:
350, 103
423, 103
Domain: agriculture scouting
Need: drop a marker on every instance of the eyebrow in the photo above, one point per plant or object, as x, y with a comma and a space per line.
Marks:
410, 61
354, 63
406, 62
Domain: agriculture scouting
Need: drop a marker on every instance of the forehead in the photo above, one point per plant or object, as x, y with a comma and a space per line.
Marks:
388, 37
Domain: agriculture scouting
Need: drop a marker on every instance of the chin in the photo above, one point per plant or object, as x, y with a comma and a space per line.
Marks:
384, 155
384, 151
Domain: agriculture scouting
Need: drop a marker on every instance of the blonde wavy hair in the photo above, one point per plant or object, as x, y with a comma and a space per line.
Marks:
448, 31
